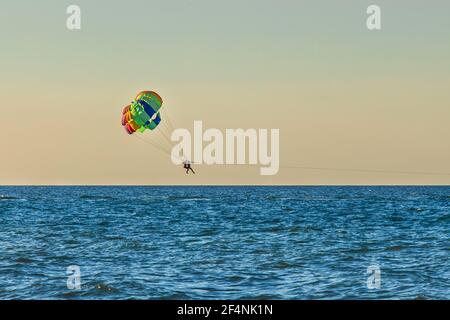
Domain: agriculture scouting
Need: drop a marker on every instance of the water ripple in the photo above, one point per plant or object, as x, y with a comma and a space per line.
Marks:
224, 242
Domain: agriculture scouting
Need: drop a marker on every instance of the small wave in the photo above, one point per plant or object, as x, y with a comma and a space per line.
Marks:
235, 278
116, 237
312, 229
294, 229
396, 218
176, 296
4, 198
89, 289
283, 265
347, 197
134, 245
208, 232
415, 209
273, 229
195, 200
262, 297
395, 248
91, 197
444, 218
23, 260
187, 198
363, 249
71, 294
103, 287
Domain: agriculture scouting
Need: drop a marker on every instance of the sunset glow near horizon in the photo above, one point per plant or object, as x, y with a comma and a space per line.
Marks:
342, 96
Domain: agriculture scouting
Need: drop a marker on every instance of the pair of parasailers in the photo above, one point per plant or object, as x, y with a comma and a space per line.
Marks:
187, 166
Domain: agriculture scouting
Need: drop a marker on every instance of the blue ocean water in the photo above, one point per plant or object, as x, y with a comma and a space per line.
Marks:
225, 242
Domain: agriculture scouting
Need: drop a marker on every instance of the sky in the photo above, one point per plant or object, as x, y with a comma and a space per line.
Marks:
341, 95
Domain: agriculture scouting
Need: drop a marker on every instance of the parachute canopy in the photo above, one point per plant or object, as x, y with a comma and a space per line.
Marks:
143, 112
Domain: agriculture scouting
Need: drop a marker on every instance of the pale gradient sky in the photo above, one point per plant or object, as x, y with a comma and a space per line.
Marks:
342, 96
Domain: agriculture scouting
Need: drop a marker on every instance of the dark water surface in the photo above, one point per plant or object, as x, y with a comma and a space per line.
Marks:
225, 242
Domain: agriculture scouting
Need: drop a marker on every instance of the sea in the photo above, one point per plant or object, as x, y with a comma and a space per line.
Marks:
225, 242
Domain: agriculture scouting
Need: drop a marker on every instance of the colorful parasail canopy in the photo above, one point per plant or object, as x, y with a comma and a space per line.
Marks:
143, 112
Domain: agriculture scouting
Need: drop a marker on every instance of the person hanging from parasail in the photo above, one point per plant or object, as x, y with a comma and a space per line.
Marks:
187, 166
144, 114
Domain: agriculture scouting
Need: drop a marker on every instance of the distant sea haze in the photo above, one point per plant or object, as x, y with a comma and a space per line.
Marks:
225, 242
